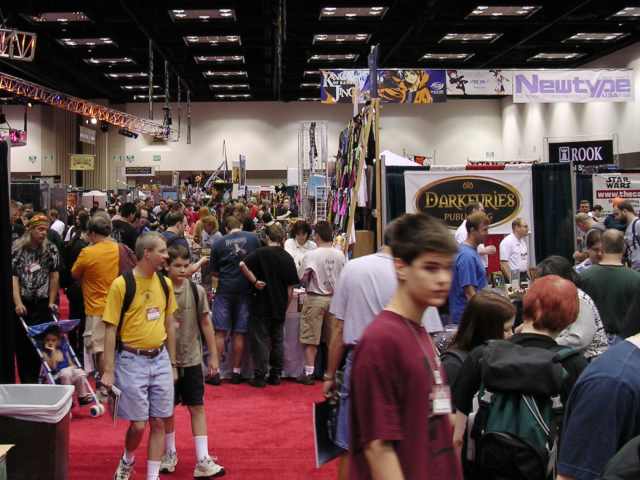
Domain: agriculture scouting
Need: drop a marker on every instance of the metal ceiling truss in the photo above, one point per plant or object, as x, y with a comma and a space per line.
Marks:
57, 99
17, 45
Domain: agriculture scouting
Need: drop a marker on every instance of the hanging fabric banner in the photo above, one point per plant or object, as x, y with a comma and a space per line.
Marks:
444, 194
607, 186
577, 86
394, 85
479, 82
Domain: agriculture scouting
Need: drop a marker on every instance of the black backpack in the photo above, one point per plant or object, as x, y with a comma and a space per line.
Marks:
517, 427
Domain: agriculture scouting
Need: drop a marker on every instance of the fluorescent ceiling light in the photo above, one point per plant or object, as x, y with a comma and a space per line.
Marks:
595, 37
227, 73
58, 17
350, 13
212, 40
629, 12
311, 73
511, 11
118, 76
205, 15
334, 57
308, 99
140, 88
447, 56
109, 61
341, 38
146, 97
310, 85
219, 58
233, 96
556, 56
471, 37
87, 42
229, 86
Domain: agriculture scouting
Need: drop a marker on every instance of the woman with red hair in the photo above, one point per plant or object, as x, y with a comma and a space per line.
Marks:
550, 306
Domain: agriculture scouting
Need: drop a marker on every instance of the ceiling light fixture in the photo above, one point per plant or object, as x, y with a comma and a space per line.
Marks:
556, 56
202, 15
497, 11
595, 37
350, 13
447, 56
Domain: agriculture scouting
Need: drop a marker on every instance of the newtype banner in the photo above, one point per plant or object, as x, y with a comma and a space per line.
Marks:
577, 86
394, 85
607, 186
479, 82
444, 194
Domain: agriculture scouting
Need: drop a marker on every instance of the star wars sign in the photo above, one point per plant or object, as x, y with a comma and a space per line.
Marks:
598, 152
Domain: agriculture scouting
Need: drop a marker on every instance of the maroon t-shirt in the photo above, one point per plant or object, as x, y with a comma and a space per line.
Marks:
390, 401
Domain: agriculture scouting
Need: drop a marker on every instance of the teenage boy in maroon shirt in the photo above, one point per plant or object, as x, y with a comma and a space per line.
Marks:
400, 424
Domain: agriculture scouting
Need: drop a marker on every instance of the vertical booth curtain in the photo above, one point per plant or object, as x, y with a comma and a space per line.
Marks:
552, 212
7, 323
395, 191
584, 189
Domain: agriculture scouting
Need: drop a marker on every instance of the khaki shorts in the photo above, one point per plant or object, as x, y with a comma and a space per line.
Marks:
315, 315
94, 334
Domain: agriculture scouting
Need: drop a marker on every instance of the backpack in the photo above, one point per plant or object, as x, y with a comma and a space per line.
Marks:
516, 429
126, 259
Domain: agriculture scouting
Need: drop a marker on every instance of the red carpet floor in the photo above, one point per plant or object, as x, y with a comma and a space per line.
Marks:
257, 434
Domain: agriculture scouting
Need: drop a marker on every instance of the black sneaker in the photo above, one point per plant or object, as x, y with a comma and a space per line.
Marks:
306, 379
236, 379
258, 382
215, 380
274, 379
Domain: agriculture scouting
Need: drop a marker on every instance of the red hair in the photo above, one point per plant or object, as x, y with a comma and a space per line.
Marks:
551, 303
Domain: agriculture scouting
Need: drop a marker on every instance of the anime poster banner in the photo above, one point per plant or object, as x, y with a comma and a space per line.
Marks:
607, 186
577, 86
505, 195
479, 82
394, 85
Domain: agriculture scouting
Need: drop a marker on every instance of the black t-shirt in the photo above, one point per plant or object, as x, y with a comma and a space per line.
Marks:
470, 377
275, 267
124, 232
226, 255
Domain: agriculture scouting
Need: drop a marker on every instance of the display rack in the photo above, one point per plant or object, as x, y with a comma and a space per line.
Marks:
312, 168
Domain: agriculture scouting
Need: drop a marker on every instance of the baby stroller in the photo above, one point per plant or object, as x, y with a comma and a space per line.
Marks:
36, 334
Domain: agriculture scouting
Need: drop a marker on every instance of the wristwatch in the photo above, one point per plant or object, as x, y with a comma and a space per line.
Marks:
326, 377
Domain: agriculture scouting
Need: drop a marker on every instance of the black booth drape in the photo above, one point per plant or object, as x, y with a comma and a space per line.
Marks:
395, 190
552, 213
7, 325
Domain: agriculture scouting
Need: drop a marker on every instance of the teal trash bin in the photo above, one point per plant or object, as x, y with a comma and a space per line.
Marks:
35, 418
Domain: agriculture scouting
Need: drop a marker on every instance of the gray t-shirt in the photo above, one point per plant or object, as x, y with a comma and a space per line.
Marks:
188, 342
633, 247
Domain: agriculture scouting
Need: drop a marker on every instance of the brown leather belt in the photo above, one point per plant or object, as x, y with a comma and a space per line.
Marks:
151, 352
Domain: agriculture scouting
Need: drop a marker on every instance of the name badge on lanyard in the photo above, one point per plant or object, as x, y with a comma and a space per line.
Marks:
153, 314
440, 395
33, 268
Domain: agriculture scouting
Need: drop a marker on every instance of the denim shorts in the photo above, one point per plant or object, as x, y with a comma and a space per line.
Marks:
343, 428
146, 384
231, 312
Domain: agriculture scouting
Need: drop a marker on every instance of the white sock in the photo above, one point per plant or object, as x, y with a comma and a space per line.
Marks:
170, 442
129, 457
237, 370
202, 447
308, 370
153, 470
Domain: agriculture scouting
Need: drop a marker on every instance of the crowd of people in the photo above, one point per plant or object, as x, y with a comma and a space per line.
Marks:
168, 292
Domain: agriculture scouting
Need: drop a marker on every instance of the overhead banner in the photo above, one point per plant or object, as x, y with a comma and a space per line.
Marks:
578, 86
139, 171
87, 135
394, 85
479, 82
505, 195
607, 186
81, 162
596, 152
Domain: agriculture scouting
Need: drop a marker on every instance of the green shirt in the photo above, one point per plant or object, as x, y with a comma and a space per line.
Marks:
613, 290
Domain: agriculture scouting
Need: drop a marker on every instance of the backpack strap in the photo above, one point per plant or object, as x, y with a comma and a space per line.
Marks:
129, 294
165, 289
635, 241
196, 298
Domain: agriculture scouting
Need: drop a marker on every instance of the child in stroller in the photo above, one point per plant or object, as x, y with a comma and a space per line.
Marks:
62, 368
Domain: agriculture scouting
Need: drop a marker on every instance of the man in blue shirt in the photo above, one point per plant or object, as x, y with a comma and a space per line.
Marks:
603, 411
469, 274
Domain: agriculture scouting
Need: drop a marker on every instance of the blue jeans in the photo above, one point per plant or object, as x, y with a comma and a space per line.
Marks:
146, 384
343, 429
231, 312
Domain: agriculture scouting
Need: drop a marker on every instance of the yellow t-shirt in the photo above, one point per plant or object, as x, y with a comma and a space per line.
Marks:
144, 321
97, 267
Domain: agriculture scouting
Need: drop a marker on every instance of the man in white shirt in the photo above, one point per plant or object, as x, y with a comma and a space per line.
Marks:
461, 234
514, 251
57, 225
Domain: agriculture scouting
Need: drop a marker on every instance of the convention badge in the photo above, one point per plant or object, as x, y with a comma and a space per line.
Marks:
34, 267
441, 400
153, 313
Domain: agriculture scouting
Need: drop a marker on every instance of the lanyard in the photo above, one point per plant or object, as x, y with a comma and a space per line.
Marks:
435, 370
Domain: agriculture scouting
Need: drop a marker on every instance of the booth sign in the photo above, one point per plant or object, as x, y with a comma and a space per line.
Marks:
599, 152
445, 194
607, 186
138, 171
82, 162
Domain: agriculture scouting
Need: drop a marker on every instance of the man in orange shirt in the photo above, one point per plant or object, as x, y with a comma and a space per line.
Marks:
96, 268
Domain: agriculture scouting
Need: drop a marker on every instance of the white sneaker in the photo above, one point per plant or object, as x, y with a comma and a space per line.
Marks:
208, 468
168, 462
124, 471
